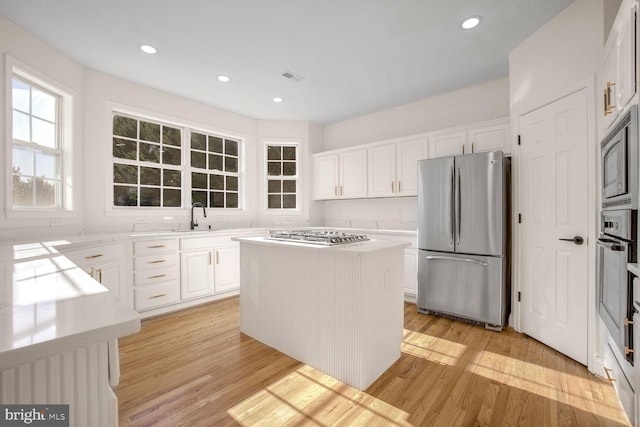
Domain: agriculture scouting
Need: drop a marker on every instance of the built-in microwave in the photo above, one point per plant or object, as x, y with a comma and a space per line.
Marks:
619, 155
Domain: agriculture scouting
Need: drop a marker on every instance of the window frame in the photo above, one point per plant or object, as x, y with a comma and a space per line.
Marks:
166, 213
147, 164
208, 171
297, 177
65, 117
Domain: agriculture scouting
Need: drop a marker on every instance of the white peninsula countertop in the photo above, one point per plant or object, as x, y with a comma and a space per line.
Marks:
49, 306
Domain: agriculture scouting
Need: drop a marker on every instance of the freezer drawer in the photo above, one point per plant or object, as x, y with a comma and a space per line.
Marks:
466, 286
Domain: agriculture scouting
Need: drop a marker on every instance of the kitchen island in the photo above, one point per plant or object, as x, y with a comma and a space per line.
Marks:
338, 309
58, 334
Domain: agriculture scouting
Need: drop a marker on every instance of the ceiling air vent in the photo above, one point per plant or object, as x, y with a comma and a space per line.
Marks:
292, 76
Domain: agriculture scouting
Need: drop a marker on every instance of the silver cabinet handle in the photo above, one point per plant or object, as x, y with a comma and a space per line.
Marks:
157, 296
450, 258
93, 256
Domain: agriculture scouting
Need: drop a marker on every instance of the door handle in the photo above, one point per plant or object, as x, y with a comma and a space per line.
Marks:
577, 240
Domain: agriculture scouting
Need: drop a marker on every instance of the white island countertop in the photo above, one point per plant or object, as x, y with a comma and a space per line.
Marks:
49, 306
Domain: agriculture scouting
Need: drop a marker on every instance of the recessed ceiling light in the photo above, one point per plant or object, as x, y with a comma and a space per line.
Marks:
470, 23
224, 79
146, 48
277, 99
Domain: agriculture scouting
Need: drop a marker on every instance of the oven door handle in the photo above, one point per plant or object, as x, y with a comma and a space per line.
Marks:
611, 244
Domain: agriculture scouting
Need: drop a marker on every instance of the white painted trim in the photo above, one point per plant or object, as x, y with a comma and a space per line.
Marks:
299, 211
69, 117
184, 125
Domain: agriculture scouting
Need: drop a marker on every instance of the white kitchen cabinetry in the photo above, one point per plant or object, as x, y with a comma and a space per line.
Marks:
488, 136
103, 262
227, 268
410, 273
617, 78
209, 265
196, 272
156, 279
392, 167
341, 174
614, 373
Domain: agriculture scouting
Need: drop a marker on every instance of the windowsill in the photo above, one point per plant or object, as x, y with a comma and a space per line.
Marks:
166, 212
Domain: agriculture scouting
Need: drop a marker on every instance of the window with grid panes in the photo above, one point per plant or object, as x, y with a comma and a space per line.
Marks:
215, 170
37, 153
147, 160
282, 176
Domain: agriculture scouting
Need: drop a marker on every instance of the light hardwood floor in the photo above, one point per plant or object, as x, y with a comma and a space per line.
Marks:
195, 368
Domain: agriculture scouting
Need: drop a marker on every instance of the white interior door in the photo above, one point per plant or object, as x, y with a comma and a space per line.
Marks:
554, 205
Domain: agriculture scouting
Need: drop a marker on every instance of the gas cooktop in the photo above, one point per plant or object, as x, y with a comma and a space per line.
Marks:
327, 238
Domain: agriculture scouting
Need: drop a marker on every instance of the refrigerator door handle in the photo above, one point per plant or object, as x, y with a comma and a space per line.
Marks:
452, 209
450, 258
458, 210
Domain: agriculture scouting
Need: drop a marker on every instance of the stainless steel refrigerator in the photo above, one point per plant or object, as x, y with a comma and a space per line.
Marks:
464, 238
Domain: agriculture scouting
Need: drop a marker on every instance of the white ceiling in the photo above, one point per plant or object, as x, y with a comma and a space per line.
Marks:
356, 56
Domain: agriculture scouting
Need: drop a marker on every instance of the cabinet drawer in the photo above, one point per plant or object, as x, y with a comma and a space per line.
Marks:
83, 257
148, 297
613, 372
155, 246
155, 261
156, 275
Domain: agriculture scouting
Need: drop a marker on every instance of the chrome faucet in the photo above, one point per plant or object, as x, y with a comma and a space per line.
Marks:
194, 223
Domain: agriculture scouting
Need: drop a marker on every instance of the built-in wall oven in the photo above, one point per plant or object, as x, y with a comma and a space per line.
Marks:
616, 248
617, 244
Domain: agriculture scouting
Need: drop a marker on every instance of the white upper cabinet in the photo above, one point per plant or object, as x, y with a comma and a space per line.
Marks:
325, 176
382, 170
393, 167
409, 151
390, 168
340, 174
488, 136
447, 144
353, 174
617, 78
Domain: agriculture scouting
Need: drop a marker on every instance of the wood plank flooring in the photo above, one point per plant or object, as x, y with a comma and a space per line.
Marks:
195, 368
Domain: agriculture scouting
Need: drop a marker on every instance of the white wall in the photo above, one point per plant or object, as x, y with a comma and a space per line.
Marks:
103, 91
50, 65
486, 101
558, 58
309, 136
95, 94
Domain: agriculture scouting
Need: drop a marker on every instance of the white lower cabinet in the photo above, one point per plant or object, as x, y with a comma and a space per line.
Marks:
208, 266
227, 269
103, 262
156, 281
410, 272
196, 273
615, 374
